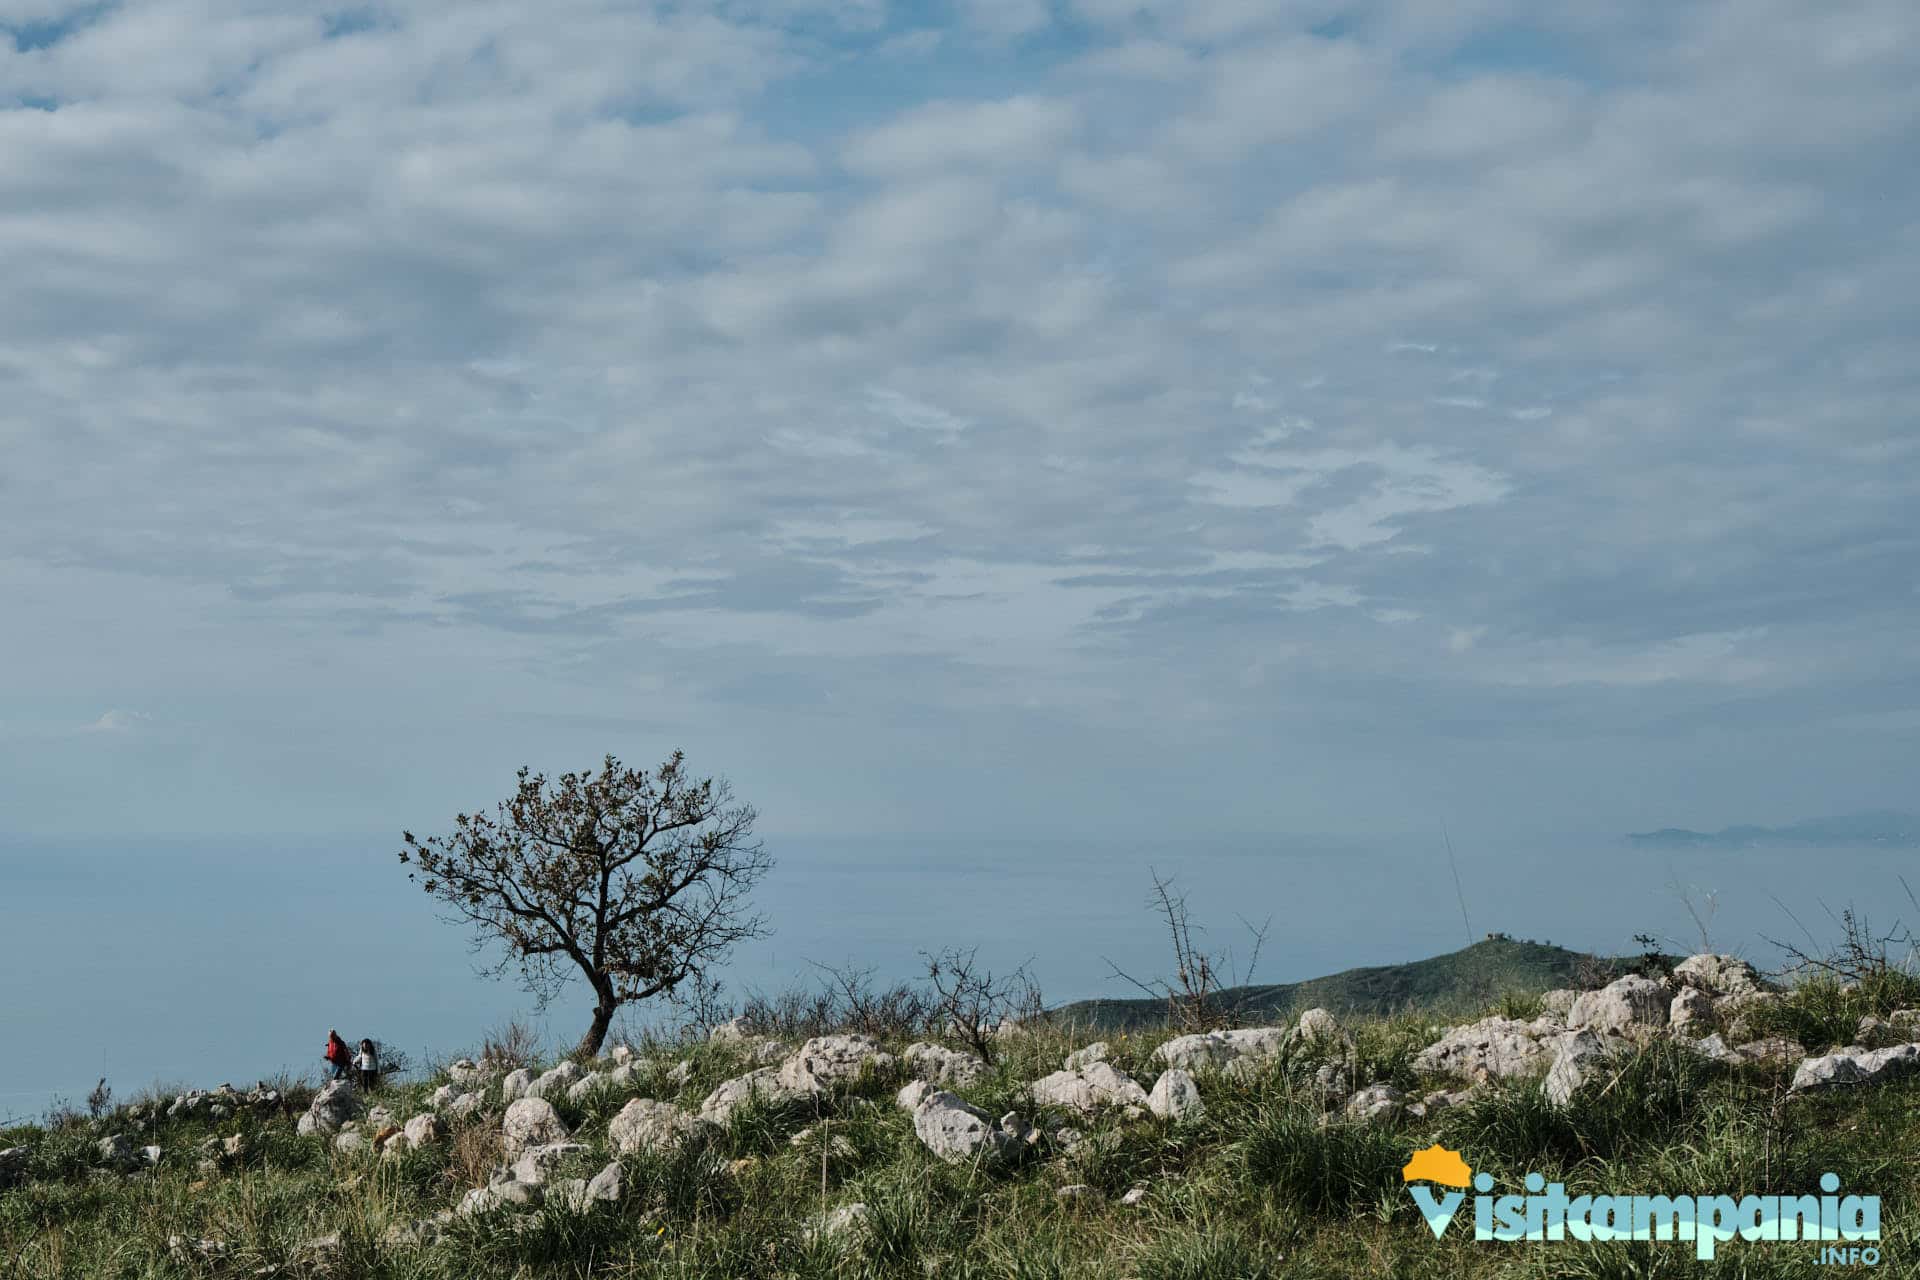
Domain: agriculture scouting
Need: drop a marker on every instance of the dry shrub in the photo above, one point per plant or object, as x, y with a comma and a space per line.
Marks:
477, 1150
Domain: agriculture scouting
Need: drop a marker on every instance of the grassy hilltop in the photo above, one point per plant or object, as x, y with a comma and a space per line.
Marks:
1457, 982
1278, 1177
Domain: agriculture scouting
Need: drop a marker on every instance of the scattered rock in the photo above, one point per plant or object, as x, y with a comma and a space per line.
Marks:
609, 1186
350, 1143
1580, 1057
531, 1122
1855, 1067
467, 1071
1718, 975
1376, 1104
646, 1125
842, 1224
1219, 1048
943, 1065
1076, 1193
1691, 1008
535, 1163
188, 1251
1558, 1002
557, 1080
1176, 1097
423, 1131
518, 1195
466, 1106
150, 1156
115, 1152
1098, 1084
1492, 1048
957, 1132
765, 1084
331, 1109
1317, 1025
734, 1031
1134, 1196
825, 1061
913, 1093
1095, 1052
513, 1085
586, 1084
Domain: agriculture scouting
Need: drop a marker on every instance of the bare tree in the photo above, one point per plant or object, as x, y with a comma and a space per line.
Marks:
1193, 994
973, 1002
637, 880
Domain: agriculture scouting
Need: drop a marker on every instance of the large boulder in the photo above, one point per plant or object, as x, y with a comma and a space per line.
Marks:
942, 1065
1492, 1048
1096, 1085
825, 1061
1176, 1097
1219, 1048
335, 1104
1717, 975
1855, 1067
646, 1125
531, 1122
1626, 1005
958, 1132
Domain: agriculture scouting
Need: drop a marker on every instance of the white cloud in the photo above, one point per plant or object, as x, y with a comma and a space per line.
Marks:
117, 722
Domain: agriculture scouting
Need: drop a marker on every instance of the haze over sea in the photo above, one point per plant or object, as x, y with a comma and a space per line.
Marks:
197, 961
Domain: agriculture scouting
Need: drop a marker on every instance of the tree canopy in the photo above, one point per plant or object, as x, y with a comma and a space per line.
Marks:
637, 880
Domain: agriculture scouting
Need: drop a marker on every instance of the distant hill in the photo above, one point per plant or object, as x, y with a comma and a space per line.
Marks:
1455, 982
1898, 830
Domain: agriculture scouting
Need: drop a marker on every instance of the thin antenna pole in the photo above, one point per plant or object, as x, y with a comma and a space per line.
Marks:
1458, 892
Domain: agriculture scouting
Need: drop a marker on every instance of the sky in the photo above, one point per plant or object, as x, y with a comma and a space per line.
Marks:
1056, 438
1008, 417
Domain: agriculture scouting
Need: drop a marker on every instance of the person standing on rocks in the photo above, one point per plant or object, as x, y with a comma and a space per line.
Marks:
367, 1065
337, 1056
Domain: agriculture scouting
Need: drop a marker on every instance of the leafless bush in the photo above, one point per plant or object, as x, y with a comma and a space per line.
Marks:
972, 1002
1195, 994
100, 1100
898, 1010
510, 1045
1863, 954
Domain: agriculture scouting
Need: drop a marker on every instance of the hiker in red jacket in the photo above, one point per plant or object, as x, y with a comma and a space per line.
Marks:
337, 1056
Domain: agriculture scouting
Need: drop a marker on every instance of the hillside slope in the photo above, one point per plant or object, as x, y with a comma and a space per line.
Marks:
1460, 980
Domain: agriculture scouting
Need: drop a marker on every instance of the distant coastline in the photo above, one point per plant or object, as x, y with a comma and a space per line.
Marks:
1885, 828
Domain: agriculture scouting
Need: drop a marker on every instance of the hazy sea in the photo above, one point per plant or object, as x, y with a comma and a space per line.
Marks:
196, 962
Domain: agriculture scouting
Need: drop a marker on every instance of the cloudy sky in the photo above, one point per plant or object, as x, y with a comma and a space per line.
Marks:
1052, 416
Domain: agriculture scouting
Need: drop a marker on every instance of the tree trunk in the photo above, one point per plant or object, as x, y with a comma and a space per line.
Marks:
603, 1010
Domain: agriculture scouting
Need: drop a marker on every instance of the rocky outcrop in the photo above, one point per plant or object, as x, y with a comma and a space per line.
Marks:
1630, 1005
1492, 1048
1691, 1010
1095, 1052
556, 1081
535, 1163
1717, 975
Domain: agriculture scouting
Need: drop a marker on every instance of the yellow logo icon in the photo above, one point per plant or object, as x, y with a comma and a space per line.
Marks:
1437, 1164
